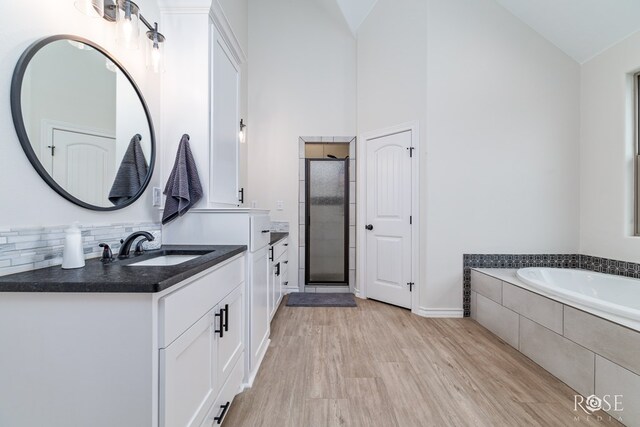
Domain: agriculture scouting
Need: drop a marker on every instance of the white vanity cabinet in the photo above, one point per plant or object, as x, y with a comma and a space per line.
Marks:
172, 358
249, 227
196, 362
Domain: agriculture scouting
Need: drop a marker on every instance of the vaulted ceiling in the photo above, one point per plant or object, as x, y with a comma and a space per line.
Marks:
580, 28
355, 11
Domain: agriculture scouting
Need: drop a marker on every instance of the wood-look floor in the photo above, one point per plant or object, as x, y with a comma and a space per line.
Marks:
379, 365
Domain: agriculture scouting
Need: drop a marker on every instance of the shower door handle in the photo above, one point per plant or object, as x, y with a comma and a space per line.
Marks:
369, 227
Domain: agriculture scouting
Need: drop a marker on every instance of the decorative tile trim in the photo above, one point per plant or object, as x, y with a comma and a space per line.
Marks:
509, 261
30, 248
610, 266
585, 262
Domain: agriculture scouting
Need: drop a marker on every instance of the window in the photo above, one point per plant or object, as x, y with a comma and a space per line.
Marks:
636, 139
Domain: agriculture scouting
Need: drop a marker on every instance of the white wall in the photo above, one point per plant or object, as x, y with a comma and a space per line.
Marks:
500, 127
606, 153
302, 65
22, 23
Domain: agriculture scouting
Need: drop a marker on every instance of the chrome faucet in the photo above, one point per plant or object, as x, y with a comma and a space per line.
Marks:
125, 249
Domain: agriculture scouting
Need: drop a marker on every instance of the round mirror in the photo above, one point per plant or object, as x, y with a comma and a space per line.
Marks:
83, 122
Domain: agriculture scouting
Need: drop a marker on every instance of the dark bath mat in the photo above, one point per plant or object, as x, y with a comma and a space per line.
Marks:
302, 299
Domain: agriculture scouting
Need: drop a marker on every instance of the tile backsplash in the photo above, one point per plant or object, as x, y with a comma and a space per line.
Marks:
30, 248
280, 226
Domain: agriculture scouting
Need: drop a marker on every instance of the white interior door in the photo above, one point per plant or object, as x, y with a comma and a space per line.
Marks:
388, 213
84, 165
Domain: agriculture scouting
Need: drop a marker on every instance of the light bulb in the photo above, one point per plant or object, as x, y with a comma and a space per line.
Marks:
127, 29
156, 59
127, 24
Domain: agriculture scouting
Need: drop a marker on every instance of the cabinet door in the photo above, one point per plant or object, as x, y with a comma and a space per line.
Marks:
259, 305
230, 344
187, 378
225, 115
284, 278
273, 279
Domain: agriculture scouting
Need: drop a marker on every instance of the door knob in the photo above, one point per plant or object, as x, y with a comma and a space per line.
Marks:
369, 227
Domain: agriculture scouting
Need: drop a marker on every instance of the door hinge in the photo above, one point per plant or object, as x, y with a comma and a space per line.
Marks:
410, 284
410, 151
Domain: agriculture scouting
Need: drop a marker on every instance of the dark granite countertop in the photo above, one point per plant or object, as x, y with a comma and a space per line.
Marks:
118, 276
276, 237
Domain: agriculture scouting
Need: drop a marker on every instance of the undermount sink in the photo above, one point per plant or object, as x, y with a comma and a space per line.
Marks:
164, 260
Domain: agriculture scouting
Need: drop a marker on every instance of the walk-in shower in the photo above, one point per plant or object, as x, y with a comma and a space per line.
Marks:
327, 222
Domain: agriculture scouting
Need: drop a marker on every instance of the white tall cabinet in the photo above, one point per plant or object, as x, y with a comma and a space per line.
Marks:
202, 97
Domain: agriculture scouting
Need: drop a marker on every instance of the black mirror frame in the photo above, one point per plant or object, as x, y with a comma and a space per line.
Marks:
18, 121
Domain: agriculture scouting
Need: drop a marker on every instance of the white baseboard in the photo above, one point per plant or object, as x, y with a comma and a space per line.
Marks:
358, 294
252, 374
440, 312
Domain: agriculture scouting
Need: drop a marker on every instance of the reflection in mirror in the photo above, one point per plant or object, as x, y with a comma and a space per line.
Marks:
86, 124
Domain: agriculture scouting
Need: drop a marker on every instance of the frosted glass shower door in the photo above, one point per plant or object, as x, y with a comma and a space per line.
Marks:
327, 222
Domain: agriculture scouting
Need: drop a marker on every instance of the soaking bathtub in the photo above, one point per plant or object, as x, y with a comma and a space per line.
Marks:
582, 327
615, 298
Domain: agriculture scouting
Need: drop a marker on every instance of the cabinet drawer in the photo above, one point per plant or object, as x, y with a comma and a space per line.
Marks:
260, 232
280, 249
220, 408
182, 308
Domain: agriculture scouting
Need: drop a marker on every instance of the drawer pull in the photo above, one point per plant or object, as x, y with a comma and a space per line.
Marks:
277, 269
221, 330
226, 318
266, 231
286, 262
220, 417
271, 253
286, 244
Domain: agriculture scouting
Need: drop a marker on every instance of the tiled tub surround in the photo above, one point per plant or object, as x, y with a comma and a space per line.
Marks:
351, 140
30, 248
590, 354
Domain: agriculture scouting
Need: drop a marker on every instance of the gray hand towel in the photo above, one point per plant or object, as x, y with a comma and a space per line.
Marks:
131, 174
183, 189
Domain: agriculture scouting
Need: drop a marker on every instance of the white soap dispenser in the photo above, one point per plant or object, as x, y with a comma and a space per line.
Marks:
73, 255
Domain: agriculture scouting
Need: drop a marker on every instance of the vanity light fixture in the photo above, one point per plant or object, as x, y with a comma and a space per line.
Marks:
242, 134
126, 14
92, 8
155, 50
127, 24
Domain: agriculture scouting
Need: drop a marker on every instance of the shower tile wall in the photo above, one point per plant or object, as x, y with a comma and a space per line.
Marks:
303, 141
